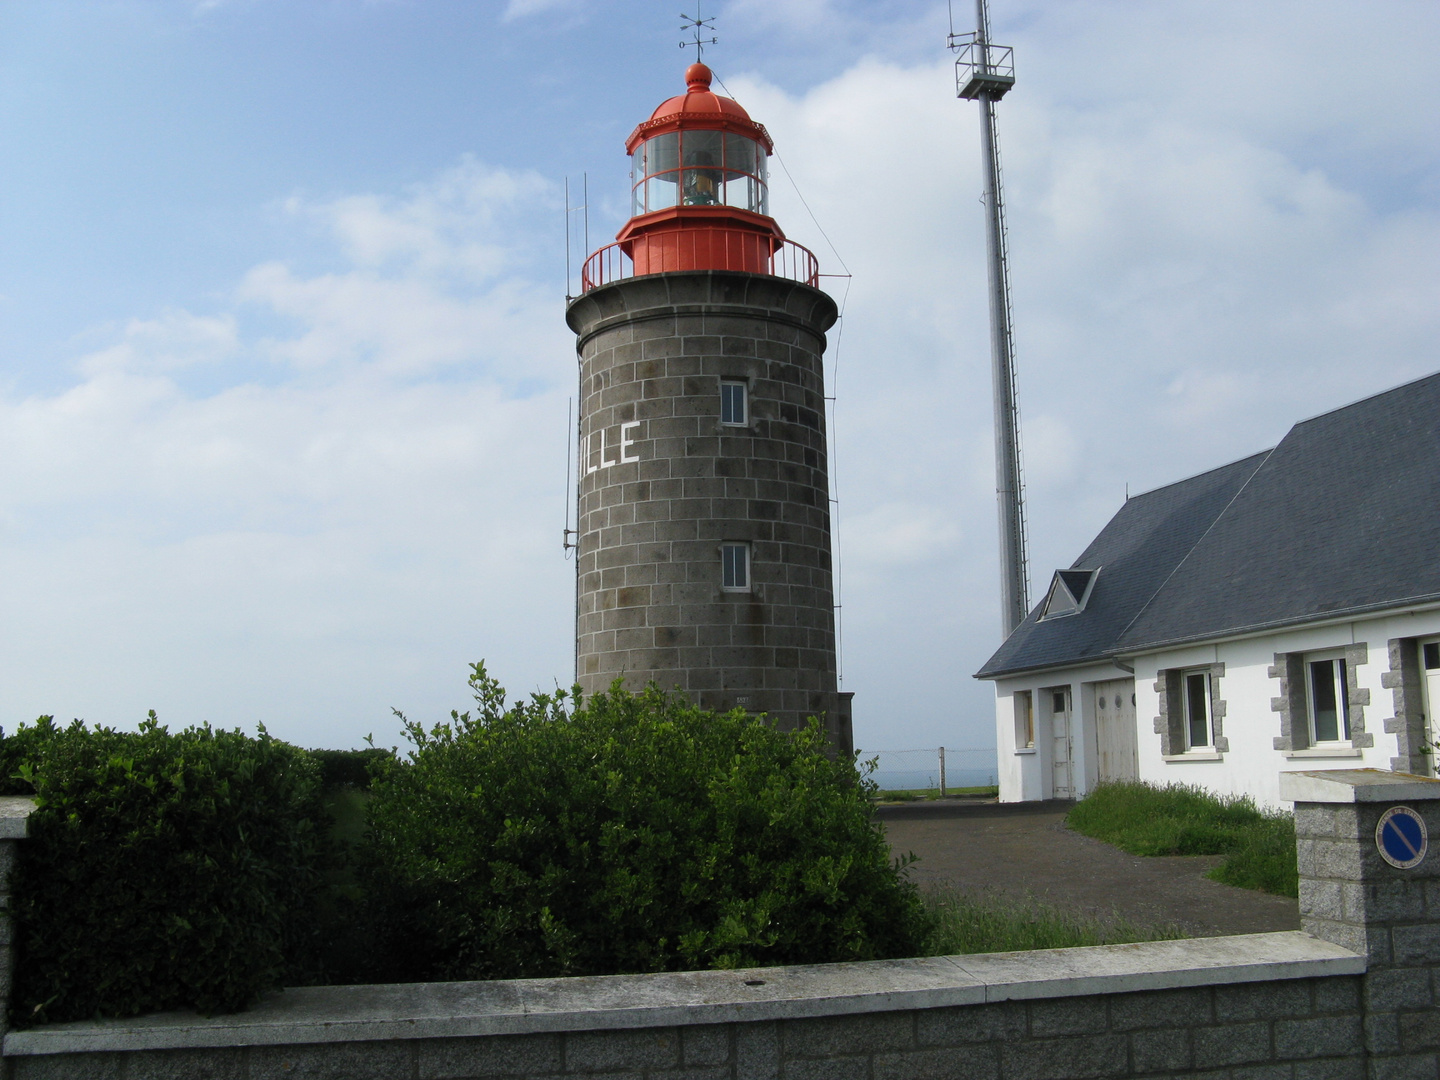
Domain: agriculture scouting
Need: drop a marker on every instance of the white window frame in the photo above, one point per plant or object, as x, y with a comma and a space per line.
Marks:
1187, 710
1062, 693
735, 556
744, 388
1340, 681
1431, 700
1024, 702
1422, 646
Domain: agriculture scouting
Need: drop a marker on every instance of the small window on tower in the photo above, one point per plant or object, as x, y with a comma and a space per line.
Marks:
734, 403
735, 567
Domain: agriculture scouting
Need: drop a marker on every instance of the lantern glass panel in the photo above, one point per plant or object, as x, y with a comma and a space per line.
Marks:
662, 191
702, 148
740, 154
661, 153
701, 186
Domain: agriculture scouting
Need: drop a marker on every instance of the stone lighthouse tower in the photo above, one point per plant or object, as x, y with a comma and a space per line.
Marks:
704, 516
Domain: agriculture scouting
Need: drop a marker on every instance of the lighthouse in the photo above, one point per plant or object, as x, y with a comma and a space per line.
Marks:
703, 535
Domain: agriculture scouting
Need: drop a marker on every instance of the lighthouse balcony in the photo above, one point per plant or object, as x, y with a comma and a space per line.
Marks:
716, 247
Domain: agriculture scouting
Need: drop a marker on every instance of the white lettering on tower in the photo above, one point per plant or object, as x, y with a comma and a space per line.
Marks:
626, 442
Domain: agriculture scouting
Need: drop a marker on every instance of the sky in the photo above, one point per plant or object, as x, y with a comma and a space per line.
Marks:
284, 373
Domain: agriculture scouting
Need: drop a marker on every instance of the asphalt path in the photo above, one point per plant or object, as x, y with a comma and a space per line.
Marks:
1025, 850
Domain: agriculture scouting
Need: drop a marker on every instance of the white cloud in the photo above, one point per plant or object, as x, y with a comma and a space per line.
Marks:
175, 340
304, 549
1188, 282
1213, 236
522, 9
796, 16
898, 534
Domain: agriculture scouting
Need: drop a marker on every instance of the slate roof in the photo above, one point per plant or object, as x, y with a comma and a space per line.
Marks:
1342, 517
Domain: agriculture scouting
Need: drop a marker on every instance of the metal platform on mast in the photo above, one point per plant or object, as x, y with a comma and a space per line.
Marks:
982, 68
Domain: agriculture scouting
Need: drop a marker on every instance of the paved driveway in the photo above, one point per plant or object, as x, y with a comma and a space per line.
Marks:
1024, 849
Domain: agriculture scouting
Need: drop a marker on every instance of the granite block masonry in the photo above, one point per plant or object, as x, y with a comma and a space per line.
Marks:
1261, 1005
1351, 895
15, 813
666, 480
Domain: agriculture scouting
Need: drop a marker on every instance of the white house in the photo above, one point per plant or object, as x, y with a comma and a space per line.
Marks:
1278, 613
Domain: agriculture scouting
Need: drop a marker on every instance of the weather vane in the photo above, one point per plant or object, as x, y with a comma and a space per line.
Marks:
698, 25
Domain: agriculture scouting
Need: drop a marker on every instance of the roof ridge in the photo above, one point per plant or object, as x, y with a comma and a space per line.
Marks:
1206, 472
1361, 401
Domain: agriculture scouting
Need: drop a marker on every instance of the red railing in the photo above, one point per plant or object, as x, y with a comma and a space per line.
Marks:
705, 249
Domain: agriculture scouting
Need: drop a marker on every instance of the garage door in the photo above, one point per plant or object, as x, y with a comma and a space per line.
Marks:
1115, 730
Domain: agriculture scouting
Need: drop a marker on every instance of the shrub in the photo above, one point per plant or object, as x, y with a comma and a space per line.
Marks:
162, 870
625, 833
1145, 819
349, 768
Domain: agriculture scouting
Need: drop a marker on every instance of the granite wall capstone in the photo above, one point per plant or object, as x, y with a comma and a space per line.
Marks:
1258, 1006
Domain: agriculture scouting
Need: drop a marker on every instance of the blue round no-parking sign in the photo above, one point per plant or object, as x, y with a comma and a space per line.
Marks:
1401, 837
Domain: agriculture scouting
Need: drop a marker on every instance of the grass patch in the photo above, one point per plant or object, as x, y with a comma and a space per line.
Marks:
1177, 819
924, 794
990, 922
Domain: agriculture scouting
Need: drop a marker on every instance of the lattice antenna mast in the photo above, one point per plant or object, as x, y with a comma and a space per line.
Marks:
983, 73
695, 24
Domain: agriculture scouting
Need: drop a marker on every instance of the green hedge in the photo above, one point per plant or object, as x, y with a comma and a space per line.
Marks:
163, 870
631, 833
625, 833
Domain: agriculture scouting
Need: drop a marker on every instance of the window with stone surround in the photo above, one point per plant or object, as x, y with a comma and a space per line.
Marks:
1191, 723
1321, 707
1406, 680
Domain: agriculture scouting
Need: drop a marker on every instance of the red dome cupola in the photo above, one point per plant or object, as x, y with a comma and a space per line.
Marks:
699, 195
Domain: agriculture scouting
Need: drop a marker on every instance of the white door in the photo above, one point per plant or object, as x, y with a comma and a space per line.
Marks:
1430, 668
1061, 756
1115, 737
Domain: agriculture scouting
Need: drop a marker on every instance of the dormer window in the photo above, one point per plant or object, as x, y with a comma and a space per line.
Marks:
1069, 591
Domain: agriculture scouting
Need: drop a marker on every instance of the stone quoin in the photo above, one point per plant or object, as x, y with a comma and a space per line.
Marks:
703, 536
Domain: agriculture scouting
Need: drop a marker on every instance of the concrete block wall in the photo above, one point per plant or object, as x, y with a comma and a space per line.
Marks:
663, 483
1305, 1029
1264, 1006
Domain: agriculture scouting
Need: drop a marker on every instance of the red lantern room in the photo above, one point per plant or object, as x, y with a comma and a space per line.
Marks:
699, 195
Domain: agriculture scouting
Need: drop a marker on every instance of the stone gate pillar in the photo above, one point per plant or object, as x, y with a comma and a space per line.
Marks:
1369, 883
15, 813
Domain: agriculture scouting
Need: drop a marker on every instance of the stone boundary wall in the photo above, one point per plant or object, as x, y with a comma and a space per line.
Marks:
1352, 996
1285, 1006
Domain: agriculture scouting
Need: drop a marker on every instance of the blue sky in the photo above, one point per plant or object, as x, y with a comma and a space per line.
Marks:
284, 371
